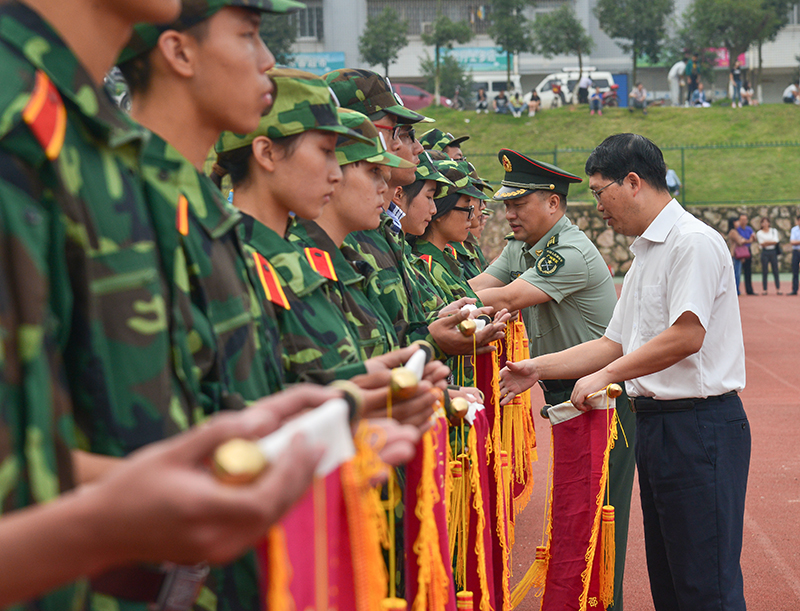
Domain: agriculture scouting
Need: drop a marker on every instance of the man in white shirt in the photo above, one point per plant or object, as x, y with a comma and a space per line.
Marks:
790, 94
676, 337
583, 89
675, 77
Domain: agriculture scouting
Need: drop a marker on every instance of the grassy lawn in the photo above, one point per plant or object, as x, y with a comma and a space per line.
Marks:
723, 174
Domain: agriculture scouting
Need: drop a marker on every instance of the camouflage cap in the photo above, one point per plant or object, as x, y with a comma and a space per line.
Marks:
145, 35
368, 92
349, 150
426, 170
436, 139
457, 172
479, 182
302, 102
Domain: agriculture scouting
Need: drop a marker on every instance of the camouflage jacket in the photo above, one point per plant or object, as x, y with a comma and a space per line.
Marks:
444, 271
83, 307
467, 259
405, 294
316, 340
368, 320
474, 248
235, 346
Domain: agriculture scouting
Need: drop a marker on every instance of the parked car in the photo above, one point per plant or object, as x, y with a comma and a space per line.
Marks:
568, 79
494, 84
415, 97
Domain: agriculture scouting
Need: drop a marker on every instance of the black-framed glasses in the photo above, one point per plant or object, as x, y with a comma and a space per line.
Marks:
597, 193
470, 210
410, 134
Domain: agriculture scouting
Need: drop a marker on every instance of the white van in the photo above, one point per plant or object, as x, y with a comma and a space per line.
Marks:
493, 84
568, 79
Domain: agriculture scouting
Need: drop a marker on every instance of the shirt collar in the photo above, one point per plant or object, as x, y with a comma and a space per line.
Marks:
659, 228
396, 214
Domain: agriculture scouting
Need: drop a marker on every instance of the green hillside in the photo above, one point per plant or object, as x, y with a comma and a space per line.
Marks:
725, 174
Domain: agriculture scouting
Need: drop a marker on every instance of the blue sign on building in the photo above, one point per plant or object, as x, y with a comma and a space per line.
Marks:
479, 59
318, 63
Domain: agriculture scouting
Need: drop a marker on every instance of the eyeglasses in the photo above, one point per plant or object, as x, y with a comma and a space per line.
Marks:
410, 134
601, 189
470, 210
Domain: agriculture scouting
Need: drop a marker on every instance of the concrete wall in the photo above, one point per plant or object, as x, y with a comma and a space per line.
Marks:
614, 247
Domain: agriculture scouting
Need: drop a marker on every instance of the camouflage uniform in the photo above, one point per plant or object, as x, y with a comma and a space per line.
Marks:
86, 305
317, 341
444, 269
467, 258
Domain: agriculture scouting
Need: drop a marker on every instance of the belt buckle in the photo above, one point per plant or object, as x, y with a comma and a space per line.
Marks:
182, 585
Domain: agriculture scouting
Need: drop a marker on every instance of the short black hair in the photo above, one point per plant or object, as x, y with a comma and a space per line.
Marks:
138, 72
620, 154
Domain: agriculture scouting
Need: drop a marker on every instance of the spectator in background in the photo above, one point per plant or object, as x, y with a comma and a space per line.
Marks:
559, 91
583, 89
747, 95
699, 97
516, 104
735, 239
534, 103
500, 104
748, 236
794, 239
693, 76
676, 80
736, 82
768, 241
673, 182
638, 98
790, 94
481, 101
596, 102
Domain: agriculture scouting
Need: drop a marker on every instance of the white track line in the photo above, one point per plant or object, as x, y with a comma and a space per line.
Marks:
781, 567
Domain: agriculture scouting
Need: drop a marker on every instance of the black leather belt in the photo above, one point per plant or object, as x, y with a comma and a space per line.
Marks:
557, 385
650, 405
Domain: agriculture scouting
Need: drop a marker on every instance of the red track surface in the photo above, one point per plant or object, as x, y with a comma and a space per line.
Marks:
771, 554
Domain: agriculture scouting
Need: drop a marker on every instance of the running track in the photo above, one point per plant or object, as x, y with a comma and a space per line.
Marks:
771, 554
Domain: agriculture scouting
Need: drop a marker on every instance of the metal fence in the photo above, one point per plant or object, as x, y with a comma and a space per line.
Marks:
712, 174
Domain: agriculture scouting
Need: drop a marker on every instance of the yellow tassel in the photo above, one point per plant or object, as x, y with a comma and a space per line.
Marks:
464, 601
280, 571
366, 522
393, 604
534, 578
455, 521
609, 557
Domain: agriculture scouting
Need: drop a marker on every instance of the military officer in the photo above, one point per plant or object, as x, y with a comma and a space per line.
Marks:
554, 274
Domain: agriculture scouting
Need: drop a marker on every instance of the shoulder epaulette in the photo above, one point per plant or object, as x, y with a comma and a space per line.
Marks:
46, 115
428, 261
270, 282
320, 260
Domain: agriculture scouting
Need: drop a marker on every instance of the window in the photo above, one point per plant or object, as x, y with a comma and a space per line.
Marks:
309, 22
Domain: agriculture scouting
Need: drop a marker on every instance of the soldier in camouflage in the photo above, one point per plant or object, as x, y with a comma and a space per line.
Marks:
455, 207
437, 140
405, 293
469, 253
356, 205
84, 324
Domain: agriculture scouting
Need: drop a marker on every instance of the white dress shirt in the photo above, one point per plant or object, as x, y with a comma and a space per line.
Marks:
682, 265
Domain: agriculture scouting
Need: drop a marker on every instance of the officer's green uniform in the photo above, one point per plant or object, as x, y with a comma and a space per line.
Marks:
567, 266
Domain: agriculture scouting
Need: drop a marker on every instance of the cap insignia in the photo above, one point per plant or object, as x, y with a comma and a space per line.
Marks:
507, 164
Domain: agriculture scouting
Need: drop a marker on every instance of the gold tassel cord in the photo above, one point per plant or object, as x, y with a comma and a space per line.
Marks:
279, 597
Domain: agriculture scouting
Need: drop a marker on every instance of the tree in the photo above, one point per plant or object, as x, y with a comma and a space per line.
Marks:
279, 34
452, 75
443, 34
638, 25
510, 29
383, 38
560, 33
737, 24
